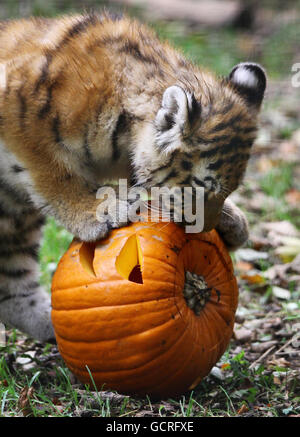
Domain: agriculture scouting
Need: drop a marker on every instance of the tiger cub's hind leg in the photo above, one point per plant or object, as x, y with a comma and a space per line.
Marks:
23, 302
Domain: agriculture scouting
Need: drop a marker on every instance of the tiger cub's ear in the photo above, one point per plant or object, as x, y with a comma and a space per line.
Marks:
249, 80
179, 111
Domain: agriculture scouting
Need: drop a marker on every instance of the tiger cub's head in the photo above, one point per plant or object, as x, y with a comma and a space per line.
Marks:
202, 136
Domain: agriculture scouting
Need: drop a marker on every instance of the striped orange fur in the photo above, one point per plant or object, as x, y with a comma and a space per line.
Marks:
89, 98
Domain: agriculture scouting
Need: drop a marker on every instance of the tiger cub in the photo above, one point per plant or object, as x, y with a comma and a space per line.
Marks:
87, 98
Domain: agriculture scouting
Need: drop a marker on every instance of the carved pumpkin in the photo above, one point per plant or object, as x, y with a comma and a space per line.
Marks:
149, 310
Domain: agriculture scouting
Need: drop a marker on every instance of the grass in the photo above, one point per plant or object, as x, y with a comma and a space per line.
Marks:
220, 51
242, 390
216, 51
279, 49
55, 242
278, 181
275, 184
51, 391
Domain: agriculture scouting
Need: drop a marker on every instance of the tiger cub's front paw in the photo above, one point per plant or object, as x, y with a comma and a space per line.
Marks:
118, 216
92, 230
233, 226
96, 227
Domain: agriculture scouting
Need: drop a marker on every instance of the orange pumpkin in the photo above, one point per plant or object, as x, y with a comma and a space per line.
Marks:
148, 310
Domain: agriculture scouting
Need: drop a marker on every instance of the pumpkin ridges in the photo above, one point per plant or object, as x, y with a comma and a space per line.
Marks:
145, 379
198, 325
170, 230
226, 304
66, 302
156, 260
119, 359
199, 264
214, 247
202, 368
144, 376
100, 321
183, 370
222, 325
180, 363
214, 239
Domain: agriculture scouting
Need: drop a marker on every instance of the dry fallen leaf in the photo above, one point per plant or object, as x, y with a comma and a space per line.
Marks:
289, 150
296, 137
279, 362
24, 400
217, 373
289, 250
292, 197
259, 242
250, 255
272, 323
26, 361
4, 382
276, 380
243, 266
295, 264
281, 293
243, 409
262, 347
242, 334
264, 164
254, 278
283, 227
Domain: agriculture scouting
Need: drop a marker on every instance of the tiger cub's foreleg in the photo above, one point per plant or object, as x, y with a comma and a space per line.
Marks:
23, 302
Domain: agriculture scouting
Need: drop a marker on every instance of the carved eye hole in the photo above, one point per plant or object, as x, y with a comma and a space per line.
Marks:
86, 256
129, 262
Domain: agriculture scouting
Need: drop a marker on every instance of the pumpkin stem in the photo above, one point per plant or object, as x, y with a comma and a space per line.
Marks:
196, 292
